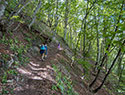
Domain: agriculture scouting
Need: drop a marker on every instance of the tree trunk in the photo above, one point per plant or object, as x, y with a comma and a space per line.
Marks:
98, 51
34, 17
49, 13
113, 63
84, 31
22, 7
120, 77
56, 20
66, 19
120, 69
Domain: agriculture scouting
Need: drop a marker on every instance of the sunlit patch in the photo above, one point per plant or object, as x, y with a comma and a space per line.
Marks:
24, 71
34, 64
49, 67
46, 76
61, 49
37, 69
36, 78
58, 54
43, 74
19, 88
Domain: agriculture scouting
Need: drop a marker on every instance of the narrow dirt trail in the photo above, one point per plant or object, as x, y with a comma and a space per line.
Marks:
38, 76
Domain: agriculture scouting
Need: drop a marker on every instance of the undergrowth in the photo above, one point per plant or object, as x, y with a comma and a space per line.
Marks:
64, 83
19, 50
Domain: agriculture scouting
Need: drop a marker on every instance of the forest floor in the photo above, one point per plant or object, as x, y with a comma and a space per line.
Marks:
37, 77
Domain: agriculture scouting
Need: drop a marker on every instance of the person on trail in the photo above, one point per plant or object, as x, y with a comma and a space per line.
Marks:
59, 46
42, 50
46, 50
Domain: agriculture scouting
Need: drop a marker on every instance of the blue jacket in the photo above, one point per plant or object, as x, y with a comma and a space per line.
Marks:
46, 49
42, 47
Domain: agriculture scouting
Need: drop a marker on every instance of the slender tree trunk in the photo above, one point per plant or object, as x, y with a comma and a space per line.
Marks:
70, 41
98, 50
84, 34
120, 77
34, 17
56, 20
81, 44
84, 39
49, 13
75, 38
66, 19
102, 50
23, 7
113, 63
89, 47
120, 69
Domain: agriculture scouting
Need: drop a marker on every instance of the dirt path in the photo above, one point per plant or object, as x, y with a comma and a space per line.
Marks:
38, 76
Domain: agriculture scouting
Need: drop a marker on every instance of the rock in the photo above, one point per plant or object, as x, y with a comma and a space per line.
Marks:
35, 49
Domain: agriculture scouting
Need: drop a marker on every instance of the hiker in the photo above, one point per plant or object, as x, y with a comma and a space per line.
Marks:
59, 46
42, 50
46, 50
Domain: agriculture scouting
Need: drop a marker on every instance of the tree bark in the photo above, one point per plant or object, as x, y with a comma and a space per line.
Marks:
34, 17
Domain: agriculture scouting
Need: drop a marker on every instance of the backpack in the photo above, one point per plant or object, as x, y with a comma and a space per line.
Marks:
42, 47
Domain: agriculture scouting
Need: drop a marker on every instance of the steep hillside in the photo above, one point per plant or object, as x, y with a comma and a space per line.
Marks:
24, 73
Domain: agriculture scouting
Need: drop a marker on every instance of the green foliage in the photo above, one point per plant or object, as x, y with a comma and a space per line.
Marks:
4, 78
3, 40
12, 72
103, 16
17, 18
86, 65
4, 91
64, 83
